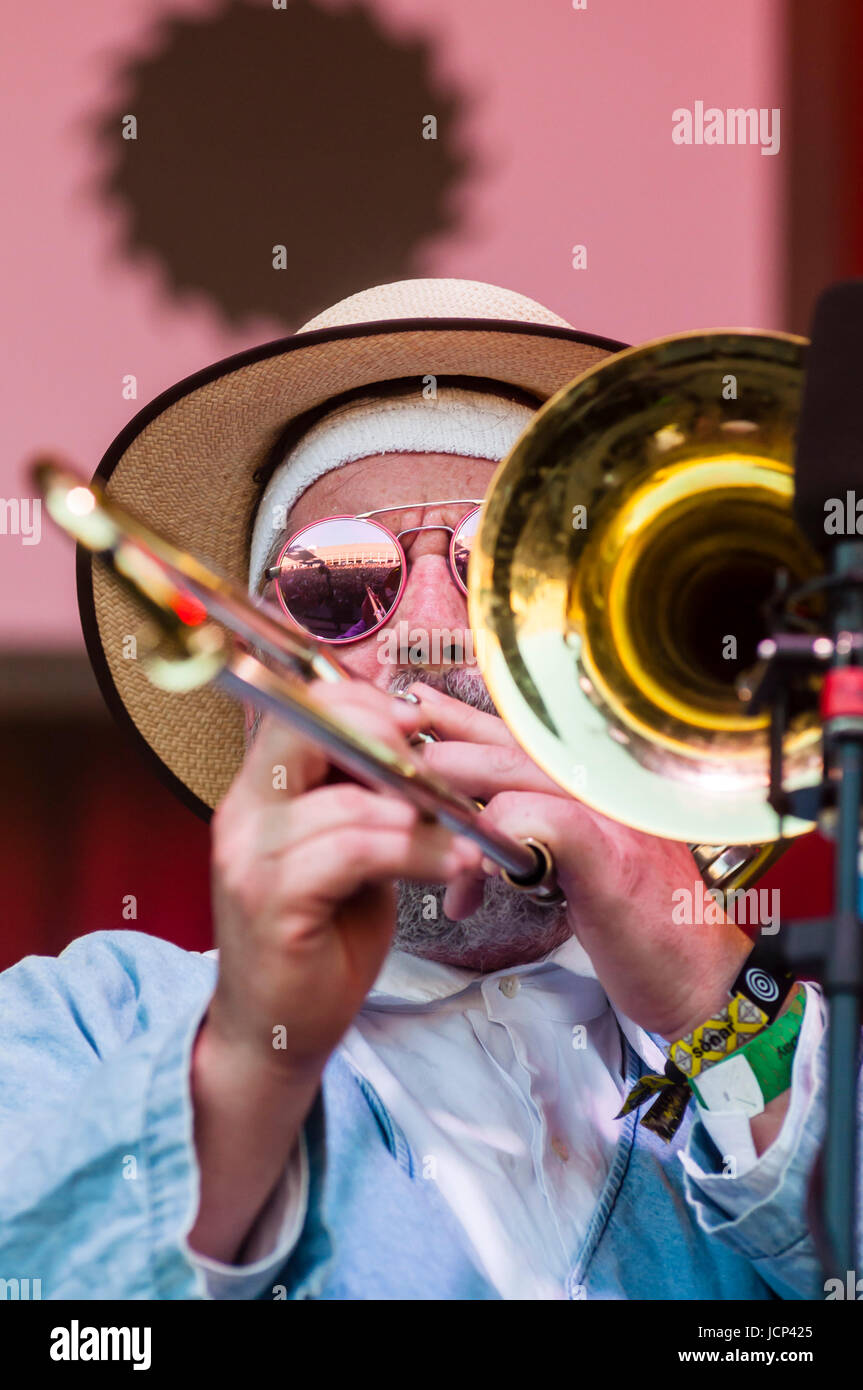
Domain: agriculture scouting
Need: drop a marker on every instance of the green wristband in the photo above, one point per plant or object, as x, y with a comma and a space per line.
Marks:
754, 1074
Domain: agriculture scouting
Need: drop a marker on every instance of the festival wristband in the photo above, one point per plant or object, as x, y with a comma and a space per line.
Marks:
756, 1072
712, 1042
717, 1037
757, 995
768, 989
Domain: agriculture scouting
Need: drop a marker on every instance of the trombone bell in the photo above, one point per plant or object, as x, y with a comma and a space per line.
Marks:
629, 545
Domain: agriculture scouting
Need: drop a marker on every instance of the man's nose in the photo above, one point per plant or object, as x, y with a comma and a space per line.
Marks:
431, 597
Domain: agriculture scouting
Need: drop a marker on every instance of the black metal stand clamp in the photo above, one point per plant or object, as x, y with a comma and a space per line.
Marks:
830, 949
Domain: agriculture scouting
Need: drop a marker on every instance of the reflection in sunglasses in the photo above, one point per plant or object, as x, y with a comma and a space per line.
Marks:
342, 577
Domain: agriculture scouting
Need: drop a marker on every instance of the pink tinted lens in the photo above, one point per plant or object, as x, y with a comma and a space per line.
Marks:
462, 543
341, 577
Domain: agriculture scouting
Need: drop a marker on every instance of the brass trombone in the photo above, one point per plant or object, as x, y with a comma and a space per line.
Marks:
629, 550
192, 606
629, 545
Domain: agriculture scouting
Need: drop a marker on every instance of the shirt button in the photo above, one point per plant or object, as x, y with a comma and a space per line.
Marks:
509, 986
561, 1150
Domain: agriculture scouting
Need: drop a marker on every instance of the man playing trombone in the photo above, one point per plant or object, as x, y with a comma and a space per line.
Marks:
398, 1075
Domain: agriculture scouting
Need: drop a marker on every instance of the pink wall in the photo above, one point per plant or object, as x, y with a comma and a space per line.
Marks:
570, 118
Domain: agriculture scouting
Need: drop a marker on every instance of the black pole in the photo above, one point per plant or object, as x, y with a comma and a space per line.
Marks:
842, 976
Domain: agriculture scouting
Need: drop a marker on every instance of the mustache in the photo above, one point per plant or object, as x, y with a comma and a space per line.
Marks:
461, 682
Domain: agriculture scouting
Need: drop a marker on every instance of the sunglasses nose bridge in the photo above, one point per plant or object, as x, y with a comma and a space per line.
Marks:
452, 562
433, 526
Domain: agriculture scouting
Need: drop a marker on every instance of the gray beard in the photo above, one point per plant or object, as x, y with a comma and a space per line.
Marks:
510, 928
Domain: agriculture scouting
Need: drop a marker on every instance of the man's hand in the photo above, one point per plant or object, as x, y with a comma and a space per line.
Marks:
303, 875
618, 882
304, 913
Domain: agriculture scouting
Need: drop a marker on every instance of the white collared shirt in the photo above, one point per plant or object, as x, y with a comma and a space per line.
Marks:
505, 1086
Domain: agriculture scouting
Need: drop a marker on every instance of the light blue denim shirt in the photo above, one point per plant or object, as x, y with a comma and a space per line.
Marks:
99, 1179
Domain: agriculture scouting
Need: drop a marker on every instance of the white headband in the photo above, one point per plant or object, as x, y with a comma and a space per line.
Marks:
473, 424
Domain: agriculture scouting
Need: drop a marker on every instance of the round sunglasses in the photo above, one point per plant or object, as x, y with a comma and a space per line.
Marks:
342, 577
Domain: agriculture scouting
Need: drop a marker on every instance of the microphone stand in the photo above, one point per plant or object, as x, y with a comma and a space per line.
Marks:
829, 949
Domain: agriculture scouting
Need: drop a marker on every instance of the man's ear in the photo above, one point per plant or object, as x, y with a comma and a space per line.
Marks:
270, 559
252, 719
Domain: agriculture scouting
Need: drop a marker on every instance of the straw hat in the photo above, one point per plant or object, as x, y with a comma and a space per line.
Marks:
186, 462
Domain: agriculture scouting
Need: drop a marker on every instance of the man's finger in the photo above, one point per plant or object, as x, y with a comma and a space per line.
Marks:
283, 760
482, 771
464, 895
452, 718
326, 810
574, 834
359, 855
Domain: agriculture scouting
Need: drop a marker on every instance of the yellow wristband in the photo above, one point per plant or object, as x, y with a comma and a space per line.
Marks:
717, 1037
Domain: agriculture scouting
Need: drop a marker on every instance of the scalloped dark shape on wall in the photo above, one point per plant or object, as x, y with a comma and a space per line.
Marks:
260, 127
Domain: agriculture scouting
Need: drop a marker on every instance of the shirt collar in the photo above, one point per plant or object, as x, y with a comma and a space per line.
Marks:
406, 980
409, 979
